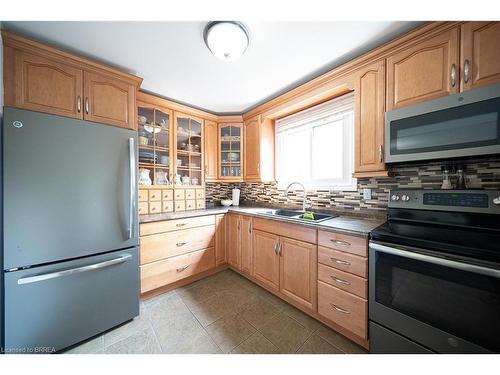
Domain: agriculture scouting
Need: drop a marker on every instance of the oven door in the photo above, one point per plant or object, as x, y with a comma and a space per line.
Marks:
442, 304
460, 125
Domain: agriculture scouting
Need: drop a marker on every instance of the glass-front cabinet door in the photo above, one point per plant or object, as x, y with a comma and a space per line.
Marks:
154, 127
231, 151
188, 150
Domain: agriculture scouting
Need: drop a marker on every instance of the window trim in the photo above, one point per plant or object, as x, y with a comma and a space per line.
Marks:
324, 113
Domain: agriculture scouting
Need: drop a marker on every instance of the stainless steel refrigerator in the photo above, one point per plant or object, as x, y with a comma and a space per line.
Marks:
70, 233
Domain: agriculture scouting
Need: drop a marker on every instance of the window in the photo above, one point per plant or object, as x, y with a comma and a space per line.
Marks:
315, 146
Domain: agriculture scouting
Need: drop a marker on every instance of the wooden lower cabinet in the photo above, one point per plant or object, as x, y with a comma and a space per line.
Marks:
344, 309
246, 244
234, 240
266, 266
220, 239
298, 271
167, 271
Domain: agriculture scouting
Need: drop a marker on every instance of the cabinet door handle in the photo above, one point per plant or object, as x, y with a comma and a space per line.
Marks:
342, 262
280, 249
79, 103
182, 268
258, 167
276, 248
250, 228
381, 153
87, 106
340, 281
453, 75
180, 224
340, 242
179, 244
339, 309
466, 70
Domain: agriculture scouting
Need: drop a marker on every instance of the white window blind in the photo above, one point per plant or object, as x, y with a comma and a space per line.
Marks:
316, 146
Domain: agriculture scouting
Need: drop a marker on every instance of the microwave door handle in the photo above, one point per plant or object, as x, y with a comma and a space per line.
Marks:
435, 260
132, 187
72, 271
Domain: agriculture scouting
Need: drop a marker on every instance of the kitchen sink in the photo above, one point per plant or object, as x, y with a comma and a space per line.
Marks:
298, 215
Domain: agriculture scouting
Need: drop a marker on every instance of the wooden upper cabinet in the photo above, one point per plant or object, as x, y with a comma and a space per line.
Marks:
234, 240
109, 101
480, 46
246, 245
252, 148
266, 266
211, 150
298, 271
41, 78
259, 150
369, 92
45, 85
423, 71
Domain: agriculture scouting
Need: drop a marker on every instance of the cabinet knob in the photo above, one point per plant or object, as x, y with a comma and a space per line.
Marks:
466, 70
87, 106
78, 103
453, 75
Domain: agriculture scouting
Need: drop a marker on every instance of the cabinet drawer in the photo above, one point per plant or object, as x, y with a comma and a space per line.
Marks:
343, 280
165, 245
154, 207
171, 225
200, 204
167, 206
343, 308
167, 271
179, 194
155, 195
143, 195
190, 205
200, 194
350, 244
190, 194
343, 261
180, 205
295, 231
143, 208
167, 195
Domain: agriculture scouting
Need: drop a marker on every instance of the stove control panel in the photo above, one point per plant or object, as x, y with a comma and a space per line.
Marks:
481, 201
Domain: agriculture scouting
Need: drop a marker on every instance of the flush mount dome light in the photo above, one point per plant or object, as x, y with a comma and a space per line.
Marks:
227, 40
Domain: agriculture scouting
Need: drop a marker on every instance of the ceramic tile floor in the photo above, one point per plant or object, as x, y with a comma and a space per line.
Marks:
224, 313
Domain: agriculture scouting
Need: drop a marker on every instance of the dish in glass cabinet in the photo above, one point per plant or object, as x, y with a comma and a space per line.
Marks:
152, 128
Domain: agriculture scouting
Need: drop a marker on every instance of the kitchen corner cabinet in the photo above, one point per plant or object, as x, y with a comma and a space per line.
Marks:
369, 89
426, 70
259, 150
220, 239
240, 249
480, 43
230, 140
43, 79
211, 150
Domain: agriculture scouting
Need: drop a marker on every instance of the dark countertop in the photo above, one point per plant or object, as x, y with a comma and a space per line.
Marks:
343, 223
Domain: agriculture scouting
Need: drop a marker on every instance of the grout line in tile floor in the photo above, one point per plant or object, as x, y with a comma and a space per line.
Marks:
240, 288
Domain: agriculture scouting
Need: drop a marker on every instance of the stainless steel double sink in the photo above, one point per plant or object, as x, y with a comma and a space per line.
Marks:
298, 215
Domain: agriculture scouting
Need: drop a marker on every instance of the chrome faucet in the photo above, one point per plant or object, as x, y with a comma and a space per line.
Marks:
304, 200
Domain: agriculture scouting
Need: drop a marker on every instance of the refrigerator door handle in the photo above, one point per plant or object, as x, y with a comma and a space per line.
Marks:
72, 271
132, 182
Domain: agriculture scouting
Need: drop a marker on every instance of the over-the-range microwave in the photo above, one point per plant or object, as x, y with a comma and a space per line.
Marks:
460, 125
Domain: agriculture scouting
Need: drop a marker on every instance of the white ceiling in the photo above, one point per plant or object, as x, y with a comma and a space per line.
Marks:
175, 63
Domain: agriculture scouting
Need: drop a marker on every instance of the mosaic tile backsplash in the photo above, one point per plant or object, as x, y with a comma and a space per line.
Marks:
481, 174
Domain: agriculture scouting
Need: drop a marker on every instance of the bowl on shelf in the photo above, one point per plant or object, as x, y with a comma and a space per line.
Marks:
233, 156
226, 202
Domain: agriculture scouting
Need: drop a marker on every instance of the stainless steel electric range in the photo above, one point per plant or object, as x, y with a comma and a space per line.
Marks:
434, 273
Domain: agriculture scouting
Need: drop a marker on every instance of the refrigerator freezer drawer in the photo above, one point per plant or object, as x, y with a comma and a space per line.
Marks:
52, 307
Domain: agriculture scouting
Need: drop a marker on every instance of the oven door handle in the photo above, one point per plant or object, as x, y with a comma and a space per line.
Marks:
435, 260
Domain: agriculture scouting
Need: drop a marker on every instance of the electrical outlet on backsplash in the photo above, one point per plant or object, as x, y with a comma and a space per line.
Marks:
480, 173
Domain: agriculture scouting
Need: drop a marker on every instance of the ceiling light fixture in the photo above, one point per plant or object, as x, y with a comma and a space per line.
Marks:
227, 40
